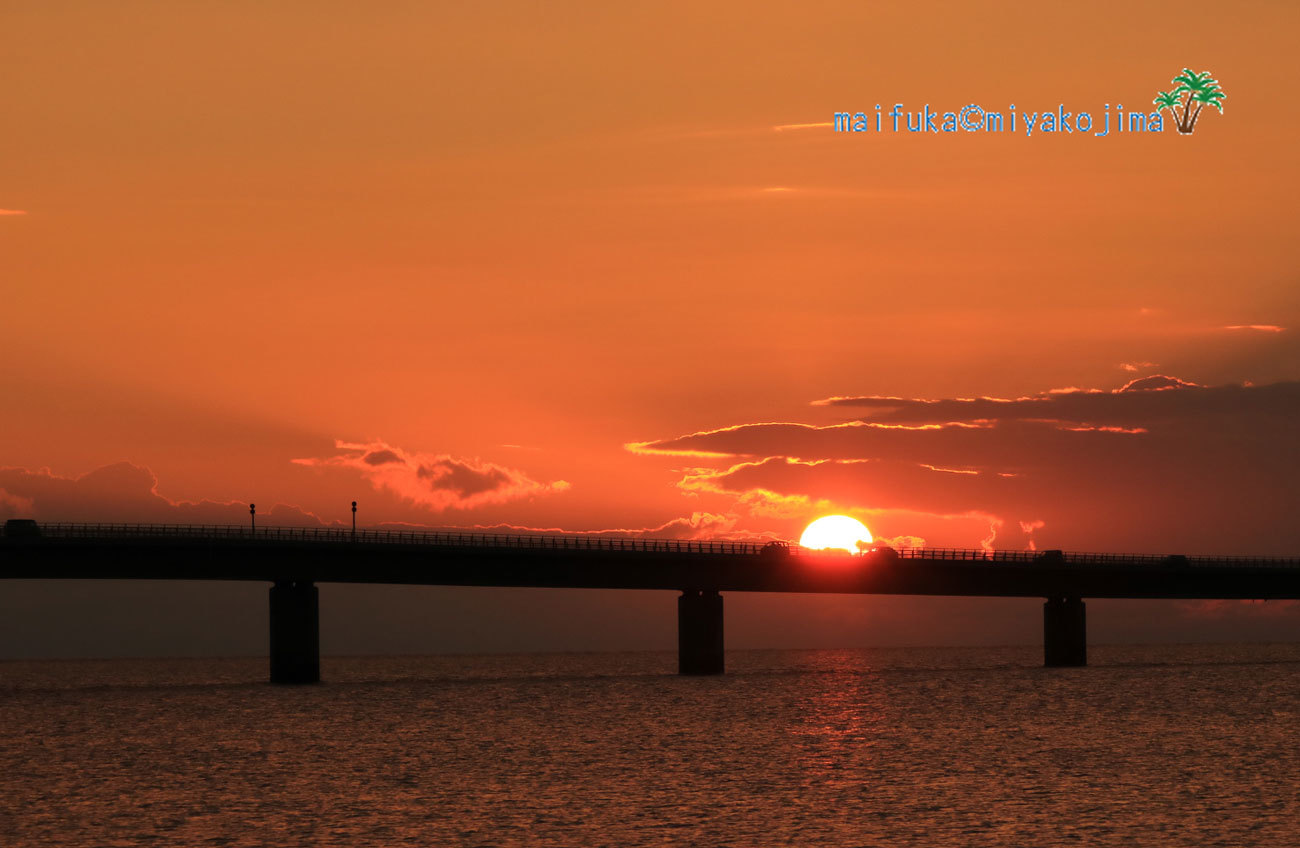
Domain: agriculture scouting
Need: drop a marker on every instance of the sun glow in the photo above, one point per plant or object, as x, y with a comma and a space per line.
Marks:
836, 532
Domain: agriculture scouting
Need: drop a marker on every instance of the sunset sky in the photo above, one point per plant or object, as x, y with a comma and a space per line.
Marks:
598, 267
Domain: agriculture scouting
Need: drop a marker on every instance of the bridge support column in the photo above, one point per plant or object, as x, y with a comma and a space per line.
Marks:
699, 632
1065, 636
295, 632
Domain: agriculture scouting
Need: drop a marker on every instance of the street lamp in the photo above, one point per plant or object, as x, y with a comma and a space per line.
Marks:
354, 519
252, 516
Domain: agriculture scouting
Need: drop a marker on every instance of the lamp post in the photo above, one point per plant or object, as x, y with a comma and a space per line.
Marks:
252, 516
354, 519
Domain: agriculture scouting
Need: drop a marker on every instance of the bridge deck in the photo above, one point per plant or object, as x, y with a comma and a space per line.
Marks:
593, 542
205, 552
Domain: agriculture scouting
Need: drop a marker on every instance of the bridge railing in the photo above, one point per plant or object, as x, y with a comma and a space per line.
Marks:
1086, 558
456, 538
459, 538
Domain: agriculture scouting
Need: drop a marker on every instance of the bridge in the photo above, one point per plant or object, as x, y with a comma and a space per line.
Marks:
295, 559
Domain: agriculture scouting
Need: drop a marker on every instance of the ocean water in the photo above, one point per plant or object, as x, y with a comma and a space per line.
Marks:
1162, 746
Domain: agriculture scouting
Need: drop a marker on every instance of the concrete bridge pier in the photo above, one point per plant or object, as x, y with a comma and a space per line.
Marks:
699, 632
295, 632
1065, 636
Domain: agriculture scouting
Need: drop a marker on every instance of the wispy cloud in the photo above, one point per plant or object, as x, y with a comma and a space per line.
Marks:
13, 211
1261, 328
813, 126
748, 130
696, 526
1156, 383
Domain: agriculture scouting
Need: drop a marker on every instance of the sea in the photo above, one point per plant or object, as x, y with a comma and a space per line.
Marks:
1171, 745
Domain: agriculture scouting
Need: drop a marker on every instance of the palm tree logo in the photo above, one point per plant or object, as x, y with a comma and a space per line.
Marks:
1200, 88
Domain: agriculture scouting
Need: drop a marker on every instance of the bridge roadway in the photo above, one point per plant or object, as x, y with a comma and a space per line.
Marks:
295, 559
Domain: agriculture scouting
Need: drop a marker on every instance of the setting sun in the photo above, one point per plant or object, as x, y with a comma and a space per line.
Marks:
836, 532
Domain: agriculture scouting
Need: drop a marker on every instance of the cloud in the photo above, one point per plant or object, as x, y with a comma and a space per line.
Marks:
1125, 406
1159, 464
123, 493
697, 526
1028, 528
1262, 328
1155, 383
870, 485
679, 446
901, 541
380, 457
14, 506
1009, 446
750, 130
705, 194
817, 125
13, 211
435, 481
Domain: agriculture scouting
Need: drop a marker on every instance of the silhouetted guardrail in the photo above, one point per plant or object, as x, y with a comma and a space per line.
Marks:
576, 542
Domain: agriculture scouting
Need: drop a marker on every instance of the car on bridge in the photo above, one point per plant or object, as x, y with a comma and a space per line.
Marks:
22, 528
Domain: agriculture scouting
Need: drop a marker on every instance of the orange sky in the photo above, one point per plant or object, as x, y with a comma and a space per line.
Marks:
507, 241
